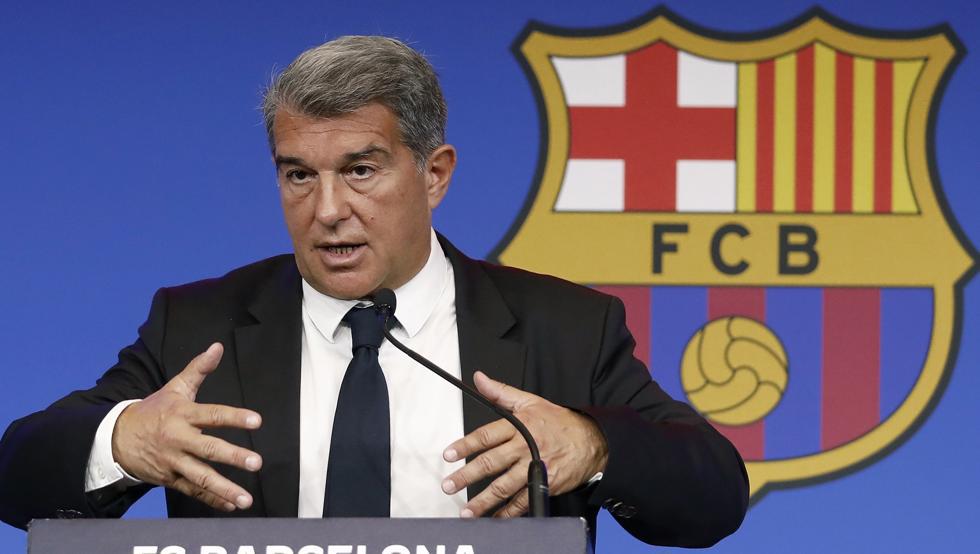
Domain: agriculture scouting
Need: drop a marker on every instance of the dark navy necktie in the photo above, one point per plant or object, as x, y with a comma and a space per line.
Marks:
359, 470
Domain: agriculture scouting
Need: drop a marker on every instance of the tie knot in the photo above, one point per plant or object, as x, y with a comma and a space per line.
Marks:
366, 327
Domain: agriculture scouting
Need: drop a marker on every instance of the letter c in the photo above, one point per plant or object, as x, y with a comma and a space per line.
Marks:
716, 258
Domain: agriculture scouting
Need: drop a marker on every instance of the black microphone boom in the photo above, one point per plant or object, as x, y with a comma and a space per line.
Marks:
537, 475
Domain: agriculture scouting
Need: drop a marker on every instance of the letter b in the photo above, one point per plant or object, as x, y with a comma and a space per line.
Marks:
807, 248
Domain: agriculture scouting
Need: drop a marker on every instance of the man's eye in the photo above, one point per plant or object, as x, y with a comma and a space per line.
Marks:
298, 176
360, 172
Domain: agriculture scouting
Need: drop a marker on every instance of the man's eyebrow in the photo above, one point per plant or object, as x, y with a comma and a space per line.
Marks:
348, 158
289, 160
367, 153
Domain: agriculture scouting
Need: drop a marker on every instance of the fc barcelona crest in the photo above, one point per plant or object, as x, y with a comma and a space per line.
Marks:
767, 208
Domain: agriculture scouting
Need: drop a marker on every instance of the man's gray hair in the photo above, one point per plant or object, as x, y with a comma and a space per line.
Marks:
347, 73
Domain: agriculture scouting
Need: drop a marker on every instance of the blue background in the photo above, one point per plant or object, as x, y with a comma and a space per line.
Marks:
133, 157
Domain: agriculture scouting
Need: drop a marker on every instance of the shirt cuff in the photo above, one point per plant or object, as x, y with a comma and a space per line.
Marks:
102, 469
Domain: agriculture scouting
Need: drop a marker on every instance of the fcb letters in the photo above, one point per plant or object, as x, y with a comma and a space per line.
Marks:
797, 247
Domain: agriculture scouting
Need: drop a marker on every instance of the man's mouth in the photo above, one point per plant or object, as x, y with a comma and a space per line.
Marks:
341, 253
342, 250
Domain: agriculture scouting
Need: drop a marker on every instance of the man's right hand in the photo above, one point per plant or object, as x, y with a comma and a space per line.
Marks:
159, 440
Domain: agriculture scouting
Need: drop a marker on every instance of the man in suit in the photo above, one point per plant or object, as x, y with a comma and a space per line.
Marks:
236, 397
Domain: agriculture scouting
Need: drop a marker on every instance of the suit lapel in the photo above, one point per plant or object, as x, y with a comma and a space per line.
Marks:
482, 320
269, 357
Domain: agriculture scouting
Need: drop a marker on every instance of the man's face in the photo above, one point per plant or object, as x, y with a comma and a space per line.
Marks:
357, 207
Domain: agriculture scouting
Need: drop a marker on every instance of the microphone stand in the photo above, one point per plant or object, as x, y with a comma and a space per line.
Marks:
537, 474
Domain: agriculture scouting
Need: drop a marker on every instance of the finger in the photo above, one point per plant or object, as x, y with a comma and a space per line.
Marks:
190, 489
498, 492
214, 449
517, 506
205, 477
218, 415
488, 436
188, 381
490, 463
501, 394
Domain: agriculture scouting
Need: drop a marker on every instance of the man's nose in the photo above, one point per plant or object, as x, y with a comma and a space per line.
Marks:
333, 200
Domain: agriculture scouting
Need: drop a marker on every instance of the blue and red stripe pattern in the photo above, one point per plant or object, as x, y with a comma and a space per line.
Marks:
854, 354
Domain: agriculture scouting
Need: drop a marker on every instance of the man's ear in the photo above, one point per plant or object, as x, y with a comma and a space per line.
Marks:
438, 172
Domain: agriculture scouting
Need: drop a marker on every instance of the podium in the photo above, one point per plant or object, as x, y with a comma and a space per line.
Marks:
309, 536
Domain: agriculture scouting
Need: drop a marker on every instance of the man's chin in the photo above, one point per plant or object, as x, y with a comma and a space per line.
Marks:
344, 289
340, 283
344, 293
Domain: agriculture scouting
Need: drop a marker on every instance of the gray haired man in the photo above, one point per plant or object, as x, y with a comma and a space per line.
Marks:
357, 131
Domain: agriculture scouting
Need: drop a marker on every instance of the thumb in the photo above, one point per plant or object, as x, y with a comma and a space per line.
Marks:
501, 394
188, 381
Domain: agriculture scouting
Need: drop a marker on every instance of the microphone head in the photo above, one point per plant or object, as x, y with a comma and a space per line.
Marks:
384, 301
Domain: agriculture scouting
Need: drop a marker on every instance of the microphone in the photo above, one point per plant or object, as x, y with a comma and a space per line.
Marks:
537, 475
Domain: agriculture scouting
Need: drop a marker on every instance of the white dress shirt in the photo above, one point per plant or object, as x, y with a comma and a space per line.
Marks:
426, 412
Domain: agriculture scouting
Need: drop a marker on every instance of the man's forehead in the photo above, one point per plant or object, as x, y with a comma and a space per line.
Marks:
368, 130
340, 127
373, 114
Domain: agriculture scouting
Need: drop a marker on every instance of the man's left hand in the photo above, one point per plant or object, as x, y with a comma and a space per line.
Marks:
571, 445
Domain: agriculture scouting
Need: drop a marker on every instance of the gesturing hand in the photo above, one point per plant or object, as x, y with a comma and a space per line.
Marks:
159, 440
571, 445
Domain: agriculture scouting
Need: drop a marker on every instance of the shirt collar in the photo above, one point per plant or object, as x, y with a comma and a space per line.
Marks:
416, 299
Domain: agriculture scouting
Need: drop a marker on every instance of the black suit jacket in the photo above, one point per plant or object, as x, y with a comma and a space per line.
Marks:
671, 478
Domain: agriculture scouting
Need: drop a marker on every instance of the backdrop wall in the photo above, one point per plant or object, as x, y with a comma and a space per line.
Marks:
133, 157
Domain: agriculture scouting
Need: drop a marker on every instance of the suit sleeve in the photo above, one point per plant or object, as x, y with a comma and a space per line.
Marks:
671, 479
43, 456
